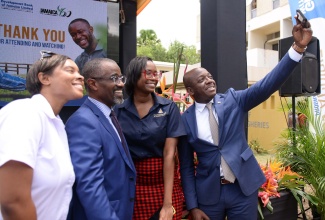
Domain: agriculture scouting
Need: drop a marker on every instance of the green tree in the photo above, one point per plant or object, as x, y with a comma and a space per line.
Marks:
189, 53
155, 52
149, 45
147, 37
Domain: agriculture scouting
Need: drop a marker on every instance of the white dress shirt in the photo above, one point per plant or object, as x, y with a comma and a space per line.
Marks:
202, 121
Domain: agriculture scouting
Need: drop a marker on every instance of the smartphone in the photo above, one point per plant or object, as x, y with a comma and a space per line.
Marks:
301, 17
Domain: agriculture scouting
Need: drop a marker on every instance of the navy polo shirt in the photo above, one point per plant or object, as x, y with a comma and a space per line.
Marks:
146, 137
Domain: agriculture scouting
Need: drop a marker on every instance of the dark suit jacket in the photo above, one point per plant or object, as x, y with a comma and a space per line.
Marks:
231, 108
105, 175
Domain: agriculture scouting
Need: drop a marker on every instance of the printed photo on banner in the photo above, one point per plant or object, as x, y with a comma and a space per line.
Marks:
63, 27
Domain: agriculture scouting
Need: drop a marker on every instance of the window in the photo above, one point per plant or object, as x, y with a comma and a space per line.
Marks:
253, 13
275, 47
276, 4
273, 35
254, 5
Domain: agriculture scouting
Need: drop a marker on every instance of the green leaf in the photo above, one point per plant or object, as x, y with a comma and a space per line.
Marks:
260, 211
269, 207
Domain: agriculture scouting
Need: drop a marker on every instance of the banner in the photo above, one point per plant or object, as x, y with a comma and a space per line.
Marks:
28, 26
314, 11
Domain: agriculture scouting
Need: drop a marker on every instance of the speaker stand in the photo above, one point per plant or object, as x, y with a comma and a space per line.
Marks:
294, 120
293, 113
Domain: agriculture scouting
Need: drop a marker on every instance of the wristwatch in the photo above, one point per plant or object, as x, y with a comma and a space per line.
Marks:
298, 49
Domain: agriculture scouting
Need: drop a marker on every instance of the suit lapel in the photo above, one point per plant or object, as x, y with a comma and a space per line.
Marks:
191, 120
111, 130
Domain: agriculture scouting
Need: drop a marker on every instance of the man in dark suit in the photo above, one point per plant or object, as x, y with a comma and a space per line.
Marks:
222, 148
105, 173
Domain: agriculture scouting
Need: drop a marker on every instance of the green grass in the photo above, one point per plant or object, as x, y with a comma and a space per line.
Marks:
8, 96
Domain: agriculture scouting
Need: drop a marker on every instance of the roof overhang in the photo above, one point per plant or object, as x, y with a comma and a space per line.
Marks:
141, 4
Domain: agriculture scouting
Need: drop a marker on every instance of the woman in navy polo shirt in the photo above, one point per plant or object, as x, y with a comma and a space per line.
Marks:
151, 125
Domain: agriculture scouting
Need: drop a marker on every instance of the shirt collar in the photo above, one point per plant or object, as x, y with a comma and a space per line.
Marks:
157, 100
98, 48
42, 101
103, 108
200, 106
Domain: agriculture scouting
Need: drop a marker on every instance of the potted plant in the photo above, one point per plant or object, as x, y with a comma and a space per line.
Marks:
303, 149
284, 187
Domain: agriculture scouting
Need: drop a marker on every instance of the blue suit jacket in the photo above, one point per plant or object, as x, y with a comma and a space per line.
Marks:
231, 108
105, 174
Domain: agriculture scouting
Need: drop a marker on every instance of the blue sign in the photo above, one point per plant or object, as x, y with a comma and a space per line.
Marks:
310, 8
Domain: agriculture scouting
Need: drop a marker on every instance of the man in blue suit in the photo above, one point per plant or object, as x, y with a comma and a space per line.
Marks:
105, 173
208, 193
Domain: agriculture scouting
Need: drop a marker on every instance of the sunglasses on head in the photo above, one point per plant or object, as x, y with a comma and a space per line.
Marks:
46, 54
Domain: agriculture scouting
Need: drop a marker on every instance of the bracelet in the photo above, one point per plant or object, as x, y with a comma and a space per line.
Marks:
174, 211
298, 49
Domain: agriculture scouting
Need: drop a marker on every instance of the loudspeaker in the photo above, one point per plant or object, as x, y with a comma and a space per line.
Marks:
305, 78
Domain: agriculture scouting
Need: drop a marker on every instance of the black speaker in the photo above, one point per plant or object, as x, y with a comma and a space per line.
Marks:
305, 78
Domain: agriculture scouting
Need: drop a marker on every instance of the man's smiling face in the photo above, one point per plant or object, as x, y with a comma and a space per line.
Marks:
202, 87
82, 34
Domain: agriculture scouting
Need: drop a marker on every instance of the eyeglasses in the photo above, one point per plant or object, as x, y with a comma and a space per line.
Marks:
148, 74
46, 54
115, 79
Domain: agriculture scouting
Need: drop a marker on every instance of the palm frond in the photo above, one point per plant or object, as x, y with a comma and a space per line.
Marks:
303, 149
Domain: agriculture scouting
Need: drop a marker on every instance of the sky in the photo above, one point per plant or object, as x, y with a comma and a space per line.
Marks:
171, 20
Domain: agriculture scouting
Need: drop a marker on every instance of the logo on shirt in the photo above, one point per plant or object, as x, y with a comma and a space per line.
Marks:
159, 114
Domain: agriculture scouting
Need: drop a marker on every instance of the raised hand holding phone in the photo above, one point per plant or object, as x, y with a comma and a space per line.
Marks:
301, 32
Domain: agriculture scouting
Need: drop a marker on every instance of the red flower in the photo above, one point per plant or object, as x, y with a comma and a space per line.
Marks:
277, 178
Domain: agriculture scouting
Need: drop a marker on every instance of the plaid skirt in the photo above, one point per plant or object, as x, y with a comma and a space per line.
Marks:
149, 193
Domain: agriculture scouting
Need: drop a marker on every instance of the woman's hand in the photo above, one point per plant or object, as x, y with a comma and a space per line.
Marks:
167, 212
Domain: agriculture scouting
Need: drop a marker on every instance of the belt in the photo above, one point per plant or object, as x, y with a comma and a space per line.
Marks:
223, 181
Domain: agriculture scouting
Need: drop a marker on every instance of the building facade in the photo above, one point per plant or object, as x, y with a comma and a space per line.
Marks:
267, 21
